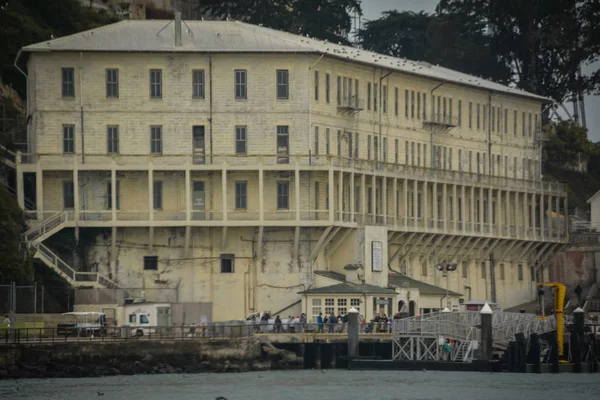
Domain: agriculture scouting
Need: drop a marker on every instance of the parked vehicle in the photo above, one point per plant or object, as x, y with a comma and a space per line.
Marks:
148, 318
79, 324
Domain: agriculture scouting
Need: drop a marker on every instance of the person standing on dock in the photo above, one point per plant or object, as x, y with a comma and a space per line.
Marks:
278, 324
447, 349
320, 323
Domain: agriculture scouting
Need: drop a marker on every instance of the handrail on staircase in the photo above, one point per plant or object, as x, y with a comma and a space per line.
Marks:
41, 228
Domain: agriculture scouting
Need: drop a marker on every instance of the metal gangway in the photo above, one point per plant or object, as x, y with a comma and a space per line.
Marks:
421, 338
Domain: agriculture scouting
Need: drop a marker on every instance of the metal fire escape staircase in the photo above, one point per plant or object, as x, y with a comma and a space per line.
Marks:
34, 237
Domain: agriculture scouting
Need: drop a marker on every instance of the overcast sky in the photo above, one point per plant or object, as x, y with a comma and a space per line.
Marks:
372, 9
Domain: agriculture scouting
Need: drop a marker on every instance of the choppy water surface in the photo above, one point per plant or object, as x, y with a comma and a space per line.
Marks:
313, 385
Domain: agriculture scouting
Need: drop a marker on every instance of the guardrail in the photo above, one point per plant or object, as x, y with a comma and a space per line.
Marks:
185, 332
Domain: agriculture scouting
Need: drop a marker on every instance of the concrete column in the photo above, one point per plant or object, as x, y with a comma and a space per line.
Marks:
113, 193
297, 192
384, 199
525, 213
39, 191
352, 199
405, 195
577, 339
454, 208
426, 205
353, 328
113, 249
472, 209
341, 196
507, 212
490, 210
557, 218
20, 185
224, 193
76, 205
463, 205
331, 192
363, 196
415, 203
542, 214
434, 203
486, 333
188, 196
481, 210
445, 206
395, 201
261, 193
151, 194
374, 197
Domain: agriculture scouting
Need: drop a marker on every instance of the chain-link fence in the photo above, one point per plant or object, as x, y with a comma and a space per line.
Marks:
34, 298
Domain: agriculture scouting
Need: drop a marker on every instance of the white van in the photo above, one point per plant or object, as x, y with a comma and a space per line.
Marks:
147, 318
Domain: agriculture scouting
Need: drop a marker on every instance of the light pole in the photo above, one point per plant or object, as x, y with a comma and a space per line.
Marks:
445, 268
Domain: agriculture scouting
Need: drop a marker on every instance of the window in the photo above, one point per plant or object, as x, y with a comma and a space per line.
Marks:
493, 116
68, 82
68, 139
144, 319
384, 150
529, 124
502, 271
198, 84
424, 268
520, 271
505, 120
424, 107
241, 144
470, 115
356, 93
327, 142
375, 148
459, 112
396, 149
156, 83
283, 195
342, 306
339, 143
329, 306
368, 95
339, 90
241, 195
478, 115
355, 303
356, 145
369, 147
465, 270
283, 141
132, 318
523, 124
317, 85
327, 84
406, 104
374, 97
112, 137
117, 196
282, 84
227, 263
532, 274
112, 83
68, 195
317, 195
151, 263
241, 82
483, 268
396, 101
412, 104
157, 195
156, 139
316, 307
418, 105
515, 122
384, 101
316, 140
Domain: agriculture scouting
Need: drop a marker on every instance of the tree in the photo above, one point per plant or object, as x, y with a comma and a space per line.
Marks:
15, 264
447, 40
567, 142
543, 42
322, 19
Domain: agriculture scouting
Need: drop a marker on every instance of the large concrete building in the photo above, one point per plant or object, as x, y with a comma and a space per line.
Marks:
245, 166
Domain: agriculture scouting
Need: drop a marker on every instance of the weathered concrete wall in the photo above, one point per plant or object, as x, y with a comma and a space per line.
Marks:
575, 266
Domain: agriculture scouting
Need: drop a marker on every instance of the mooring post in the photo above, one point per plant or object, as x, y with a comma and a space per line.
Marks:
521, 352
554, 353
353, 326
487, 344
535, 352
577, 339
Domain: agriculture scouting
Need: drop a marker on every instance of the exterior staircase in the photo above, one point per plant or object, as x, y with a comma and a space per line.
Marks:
34, 238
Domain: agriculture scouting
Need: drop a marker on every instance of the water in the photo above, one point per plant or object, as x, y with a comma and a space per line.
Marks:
312, 385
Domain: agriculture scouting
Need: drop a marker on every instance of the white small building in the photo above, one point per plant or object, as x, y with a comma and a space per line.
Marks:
594, 203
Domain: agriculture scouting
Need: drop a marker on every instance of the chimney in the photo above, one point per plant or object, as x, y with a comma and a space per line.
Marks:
177, 29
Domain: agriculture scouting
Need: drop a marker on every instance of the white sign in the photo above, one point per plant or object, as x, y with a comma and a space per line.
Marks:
377, 256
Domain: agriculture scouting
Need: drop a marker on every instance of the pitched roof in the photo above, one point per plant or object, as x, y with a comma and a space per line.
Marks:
331, 275
589, 201
234, 36
400, 280
350, 288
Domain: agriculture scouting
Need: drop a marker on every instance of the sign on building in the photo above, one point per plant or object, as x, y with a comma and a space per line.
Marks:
377, 256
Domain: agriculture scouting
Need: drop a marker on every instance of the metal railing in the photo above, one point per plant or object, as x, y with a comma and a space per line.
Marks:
179, 333
293, 161
45, 226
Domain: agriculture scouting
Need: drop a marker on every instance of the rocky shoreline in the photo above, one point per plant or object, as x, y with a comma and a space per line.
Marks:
23, 363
